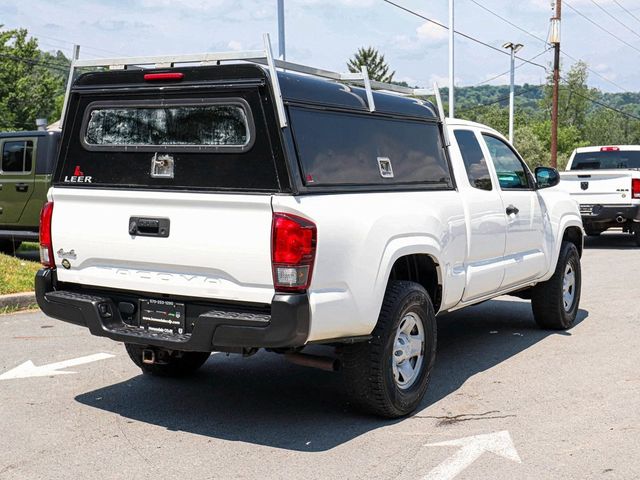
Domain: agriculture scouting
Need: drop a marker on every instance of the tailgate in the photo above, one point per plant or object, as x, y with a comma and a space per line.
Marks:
218, 245
610, 187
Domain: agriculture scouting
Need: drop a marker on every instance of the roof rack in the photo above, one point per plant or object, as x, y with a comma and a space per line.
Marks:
262, 57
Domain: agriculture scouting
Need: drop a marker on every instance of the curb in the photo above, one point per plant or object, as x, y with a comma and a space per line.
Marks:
18, 300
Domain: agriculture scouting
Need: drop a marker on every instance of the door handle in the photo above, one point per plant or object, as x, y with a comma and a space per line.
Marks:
149, 227
22, 187
512, 210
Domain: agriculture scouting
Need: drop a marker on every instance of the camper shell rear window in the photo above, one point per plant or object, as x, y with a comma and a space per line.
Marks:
223, 124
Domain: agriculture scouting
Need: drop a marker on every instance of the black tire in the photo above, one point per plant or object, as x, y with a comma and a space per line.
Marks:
170, 363
636, 233
368, 367
547, 298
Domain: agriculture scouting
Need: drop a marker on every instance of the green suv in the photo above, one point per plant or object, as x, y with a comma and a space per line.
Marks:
26, 165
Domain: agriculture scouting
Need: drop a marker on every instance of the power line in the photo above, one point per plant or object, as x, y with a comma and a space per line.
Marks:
68, 42
595, 72
509, 22
42, 63
508, 71
502, 99
462, 34
601, 27
616, 19
626, 10
602, 104
563, 52
535, 87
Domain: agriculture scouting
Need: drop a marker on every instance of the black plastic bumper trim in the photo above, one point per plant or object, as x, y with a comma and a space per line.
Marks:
286, 326
608, 213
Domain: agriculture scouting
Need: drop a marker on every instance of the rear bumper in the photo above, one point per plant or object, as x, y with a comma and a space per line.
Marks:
19, 235
211, 328
607, 214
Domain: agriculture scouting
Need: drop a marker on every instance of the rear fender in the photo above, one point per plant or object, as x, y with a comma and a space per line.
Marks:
400, 247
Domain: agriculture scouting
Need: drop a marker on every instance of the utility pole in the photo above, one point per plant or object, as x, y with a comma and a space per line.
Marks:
554, 39
281, 48
452, 100
514, 48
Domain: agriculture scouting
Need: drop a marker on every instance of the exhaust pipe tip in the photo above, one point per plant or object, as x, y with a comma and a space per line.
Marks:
620, 219
327, 364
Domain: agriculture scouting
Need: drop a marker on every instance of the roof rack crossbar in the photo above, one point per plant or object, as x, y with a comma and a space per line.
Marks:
170, 59
261, 57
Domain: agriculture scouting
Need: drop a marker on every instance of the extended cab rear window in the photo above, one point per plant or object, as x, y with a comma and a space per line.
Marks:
337, 148
606, 160
147, 126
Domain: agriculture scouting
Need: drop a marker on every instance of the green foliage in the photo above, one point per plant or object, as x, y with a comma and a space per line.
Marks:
531, 147
573, 97
30, 82
581, 121
374, 61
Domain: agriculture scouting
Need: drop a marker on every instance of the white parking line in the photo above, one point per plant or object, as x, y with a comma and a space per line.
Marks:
471, 449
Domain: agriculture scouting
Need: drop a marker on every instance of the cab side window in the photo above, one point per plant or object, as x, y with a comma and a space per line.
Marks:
474, 161
17, 156
512, 174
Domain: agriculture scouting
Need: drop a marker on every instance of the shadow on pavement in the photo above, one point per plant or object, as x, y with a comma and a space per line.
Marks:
611, 241
264, 400
477, 338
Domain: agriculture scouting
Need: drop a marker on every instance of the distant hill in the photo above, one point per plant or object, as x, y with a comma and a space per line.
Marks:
527, 97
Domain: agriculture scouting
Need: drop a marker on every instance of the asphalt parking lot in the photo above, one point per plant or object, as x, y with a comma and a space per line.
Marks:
537, 404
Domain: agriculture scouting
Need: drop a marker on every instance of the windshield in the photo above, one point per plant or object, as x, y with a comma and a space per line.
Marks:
606, 160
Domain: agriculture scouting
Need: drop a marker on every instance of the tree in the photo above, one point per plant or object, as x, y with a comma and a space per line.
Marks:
377, 67
28, 88
574, 96
532, 149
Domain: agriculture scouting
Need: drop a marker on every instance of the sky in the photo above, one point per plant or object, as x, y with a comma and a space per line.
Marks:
325, 33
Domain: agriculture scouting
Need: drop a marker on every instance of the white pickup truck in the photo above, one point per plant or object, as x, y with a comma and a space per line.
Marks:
232, 208
605, 182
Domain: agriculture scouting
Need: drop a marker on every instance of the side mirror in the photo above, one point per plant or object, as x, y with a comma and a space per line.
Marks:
547, 177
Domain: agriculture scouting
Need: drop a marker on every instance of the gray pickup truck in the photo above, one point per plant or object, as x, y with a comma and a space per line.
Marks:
27, 162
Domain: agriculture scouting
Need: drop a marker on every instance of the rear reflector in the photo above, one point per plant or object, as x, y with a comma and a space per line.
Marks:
46, 246
155, 77
293, 252
635, 188
609, 149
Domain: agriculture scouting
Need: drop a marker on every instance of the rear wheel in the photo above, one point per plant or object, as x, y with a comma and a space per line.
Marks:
636, 233
167, 363
389, 375
555, 302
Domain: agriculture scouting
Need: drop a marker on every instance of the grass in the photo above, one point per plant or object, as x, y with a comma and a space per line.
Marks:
13, 309
16, 274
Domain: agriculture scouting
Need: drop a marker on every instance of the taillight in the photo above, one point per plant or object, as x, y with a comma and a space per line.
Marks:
635, 188
46, 247
293, 251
